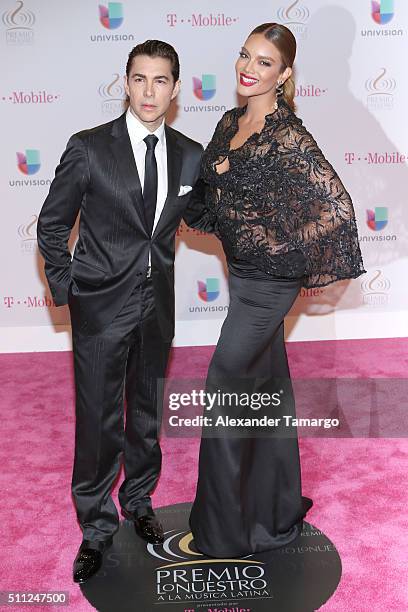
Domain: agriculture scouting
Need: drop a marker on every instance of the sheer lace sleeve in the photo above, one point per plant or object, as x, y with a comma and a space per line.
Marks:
324, 226
318, 186
280, 203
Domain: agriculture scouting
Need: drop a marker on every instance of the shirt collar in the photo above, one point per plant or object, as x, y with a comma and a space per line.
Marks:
138, 131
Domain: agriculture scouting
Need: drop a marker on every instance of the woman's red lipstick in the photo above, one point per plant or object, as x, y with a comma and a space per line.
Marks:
246, 80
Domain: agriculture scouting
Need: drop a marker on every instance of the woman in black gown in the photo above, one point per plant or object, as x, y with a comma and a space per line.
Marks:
285, 221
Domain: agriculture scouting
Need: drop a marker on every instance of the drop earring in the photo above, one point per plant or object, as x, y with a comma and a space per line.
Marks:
279, 92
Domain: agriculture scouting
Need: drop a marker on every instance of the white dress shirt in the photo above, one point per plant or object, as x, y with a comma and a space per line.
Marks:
137, 132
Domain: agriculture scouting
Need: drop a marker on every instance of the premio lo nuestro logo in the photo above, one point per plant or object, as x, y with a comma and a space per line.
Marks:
210, 290
29, 162
19, 21
27, 233
380, 91
205, 88
376, 290
295, 16
178, 576
113, 96
377, 219
382, 11
294, 13
111, 16
177, 549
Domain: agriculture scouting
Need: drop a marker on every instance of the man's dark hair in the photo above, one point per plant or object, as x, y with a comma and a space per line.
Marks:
156, 48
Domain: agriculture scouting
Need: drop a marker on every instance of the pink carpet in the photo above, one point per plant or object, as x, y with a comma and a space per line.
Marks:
358, 485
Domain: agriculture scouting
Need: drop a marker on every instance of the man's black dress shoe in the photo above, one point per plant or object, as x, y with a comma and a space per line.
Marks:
89, 559
147, 526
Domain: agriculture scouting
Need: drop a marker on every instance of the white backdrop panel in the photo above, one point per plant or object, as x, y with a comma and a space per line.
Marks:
62, 71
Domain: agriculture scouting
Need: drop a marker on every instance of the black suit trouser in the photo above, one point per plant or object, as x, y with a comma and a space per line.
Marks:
123, 361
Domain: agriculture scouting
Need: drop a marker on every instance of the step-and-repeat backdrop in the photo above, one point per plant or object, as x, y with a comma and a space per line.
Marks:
62, 71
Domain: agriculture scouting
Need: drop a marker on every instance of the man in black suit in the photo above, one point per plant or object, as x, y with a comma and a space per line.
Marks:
131, 181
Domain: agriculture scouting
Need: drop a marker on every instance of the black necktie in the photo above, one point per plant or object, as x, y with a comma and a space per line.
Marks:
150, 181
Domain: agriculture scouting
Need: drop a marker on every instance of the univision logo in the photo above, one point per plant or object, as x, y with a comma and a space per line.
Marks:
205, 88
29, 162
210, 290
111, 16
19, 22
382, 11
377, 219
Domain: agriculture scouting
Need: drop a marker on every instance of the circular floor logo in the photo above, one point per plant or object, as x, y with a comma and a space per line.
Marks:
174, 576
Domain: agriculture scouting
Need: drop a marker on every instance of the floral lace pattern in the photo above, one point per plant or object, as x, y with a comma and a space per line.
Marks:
276, 197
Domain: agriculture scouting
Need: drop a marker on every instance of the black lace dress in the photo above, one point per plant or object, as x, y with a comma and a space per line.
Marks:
280, 208
285, 220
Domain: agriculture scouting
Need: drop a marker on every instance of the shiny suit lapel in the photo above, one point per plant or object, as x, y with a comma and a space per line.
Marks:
174, 166
122, 150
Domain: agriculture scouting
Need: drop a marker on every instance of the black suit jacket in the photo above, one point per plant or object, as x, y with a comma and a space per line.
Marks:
97, 177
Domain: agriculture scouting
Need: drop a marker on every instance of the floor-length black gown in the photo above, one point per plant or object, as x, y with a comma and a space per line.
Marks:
285, 221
